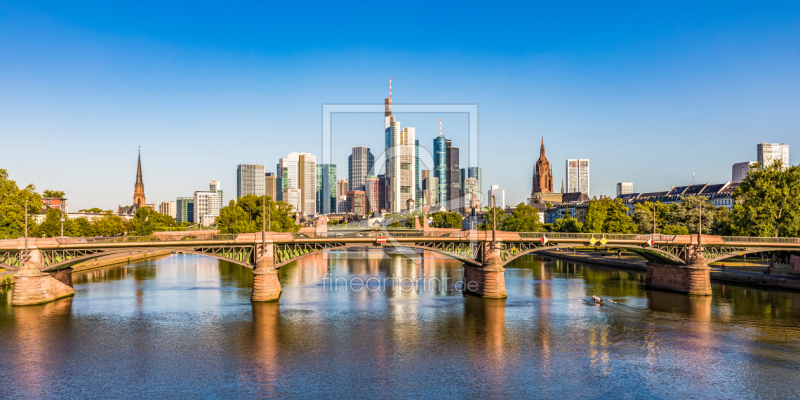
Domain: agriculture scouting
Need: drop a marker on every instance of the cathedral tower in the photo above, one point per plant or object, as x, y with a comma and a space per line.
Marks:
138, 188
542, 174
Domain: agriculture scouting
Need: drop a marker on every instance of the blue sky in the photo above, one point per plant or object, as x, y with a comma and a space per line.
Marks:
649, 93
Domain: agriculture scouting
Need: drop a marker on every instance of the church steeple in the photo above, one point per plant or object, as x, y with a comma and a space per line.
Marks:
541, 151
542, 174
138, 188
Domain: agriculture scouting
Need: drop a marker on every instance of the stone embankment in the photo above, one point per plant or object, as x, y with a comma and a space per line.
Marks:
737, 277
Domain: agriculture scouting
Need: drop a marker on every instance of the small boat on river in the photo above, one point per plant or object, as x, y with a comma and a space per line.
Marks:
597, 300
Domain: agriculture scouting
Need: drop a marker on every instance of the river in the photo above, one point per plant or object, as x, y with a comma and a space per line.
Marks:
375, 325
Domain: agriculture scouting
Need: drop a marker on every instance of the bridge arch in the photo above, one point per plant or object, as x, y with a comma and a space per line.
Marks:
241, 255
652, 254
716, 256
282, 260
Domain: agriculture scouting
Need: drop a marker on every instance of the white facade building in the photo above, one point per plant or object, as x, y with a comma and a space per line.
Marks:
206, 206
768, 153
301, 173
624, 188
292, 197
168, 208
578, 176
499, 197
740, 170
250, 180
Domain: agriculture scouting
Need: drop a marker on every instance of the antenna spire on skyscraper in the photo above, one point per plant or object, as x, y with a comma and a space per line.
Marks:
390, 88
440, 127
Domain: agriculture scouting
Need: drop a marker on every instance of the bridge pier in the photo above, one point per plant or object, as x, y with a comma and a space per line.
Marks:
693, 278
33, 286
266, 285
487, 281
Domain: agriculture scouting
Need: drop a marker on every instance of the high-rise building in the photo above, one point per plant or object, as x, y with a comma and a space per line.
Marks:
382, 191
624, 188
578, 176
542, 174
453, 179
372, 187
249, 180
356, 202
207, 205
431, 191
214, 186
326, 189
740, 170
399, 162
342, 187
768, 153
471, 193
168, 208
499, 197
440, 165
184, 207
138, 188
307, 182
475, 172
292, 196
360, 163
270, 185
417, 179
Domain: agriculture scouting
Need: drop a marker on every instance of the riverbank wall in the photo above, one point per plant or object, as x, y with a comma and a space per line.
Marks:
758, 280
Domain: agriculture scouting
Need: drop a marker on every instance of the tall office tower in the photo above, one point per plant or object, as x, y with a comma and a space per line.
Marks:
471, 193
399, 162
431, 191
578, 176
624, 188
215, 186
184, 209
475, 172
288, 168
356, 202
740, 170
249, 180
453, 178
359, 164
168, 208
326, 189
270, 185
499, 197
768, 153
372, 187
206, 206
342, 187
293, 196
382, 191
307, 182
417, 179
440, 165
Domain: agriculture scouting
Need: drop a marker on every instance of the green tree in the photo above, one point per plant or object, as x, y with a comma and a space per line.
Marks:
147, 221
642, 215
767, 203
567, 224
451, 220
92, 210
12, 206
525, 218
112, 225
675, 230
488, 217
53, 193
245, 215
608, 216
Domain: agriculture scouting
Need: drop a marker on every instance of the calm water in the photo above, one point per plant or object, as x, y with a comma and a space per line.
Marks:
183, 327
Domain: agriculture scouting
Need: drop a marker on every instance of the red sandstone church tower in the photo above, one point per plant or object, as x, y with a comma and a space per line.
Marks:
542, 174
138, 188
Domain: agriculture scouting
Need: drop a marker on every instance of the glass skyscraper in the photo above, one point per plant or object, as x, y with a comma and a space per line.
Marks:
326, 189
440, 167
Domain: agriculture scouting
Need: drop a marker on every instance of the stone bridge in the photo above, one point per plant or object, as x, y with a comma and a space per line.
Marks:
676, 262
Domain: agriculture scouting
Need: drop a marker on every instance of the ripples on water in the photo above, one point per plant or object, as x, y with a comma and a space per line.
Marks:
183, 326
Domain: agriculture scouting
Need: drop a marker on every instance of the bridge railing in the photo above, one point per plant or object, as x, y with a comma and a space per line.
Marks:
598, 236
144, 239
747, 239
368, 234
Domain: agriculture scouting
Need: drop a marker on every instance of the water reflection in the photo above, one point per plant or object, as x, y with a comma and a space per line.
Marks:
185, 324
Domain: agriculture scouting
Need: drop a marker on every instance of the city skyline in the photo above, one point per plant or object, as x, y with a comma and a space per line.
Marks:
114, 83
